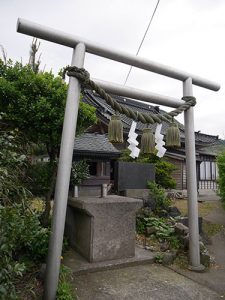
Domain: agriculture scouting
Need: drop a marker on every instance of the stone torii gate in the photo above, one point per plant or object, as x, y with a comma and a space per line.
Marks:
80, 47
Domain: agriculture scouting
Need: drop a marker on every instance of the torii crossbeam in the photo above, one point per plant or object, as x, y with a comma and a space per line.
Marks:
81, 46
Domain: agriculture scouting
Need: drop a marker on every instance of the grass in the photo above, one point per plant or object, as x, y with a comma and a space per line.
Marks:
65, 289
204, 208
212, 229
182, 261
223, 205
31, 288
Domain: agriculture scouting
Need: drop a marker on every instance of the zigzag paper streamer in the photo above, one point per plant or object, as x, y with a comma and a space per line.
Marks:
159, 141
132, 140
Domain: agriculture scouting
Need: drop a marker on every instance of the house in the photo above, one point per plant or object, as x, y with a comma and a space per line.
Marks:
208, 172
176, 156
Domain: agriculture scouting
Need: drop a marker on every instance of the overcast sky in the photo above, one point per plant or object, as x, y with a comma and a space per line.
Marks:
186, 34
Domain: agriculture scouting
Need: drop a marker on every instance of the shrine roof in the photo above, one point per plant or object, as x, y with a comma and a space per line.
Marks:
93, 144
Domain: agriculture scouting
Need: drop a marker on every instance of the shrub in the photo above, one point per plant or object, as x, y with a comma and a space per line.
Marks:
157, 193
21, 238
163, 230
12, 168
221, 180
140, 225
141, 216
163, 173
79, 172
159, 258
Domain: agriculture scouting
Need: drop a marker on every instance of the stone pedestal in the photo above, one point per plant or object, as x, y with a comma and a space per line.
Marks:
102, 229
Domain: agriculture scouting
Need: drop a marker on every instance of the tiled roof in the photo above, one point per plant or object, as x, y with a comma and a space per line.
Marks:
213, 149
104, 113
94, 144
206, 138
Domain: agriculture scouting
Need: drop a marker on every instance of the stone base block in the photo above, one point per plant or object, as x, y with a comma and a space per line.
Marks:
80, 265
135, 193
102, 229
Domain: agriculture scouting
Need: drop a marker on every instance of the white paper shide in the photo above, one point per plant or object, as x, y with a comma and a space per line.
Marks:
159, 141
132, 140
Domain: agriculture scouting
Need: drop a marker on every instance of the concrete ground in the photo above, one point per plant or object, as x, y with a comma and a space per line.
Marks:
207, 195
143, 282
214, 278
151, 281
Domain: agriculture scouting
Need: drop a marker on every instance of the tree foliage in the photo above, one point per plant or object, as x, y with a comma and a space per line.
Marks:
34, 103
157, 193
79, 172
221, 180
13, 165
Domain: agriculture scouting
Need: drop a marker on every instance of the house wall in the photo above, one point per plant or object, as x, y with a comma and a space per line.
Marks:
179, 174
206, 173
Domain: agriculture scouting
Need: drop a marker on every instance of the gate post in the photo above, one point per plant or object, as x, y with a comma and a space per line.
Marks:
194, 249
63, 179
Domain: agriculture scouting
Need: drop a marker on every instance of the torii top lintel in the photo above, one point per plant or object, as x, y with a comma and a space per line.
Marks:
62, 38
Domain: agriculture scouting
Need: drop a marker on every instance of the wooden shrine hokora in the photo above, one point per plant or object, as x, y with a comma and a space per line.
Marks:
80, 46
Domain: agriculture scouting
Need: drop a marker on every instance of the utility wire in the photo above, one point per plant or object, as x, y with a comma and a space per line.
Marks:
146, 31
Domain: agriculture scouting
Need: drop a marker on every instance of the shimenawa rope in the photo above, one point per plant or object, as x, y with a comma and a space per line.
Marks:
84, 78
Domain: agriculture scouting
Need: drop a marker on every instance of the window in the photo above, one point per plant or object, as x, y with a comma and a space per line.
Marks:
208, 170
98, 168
92, 168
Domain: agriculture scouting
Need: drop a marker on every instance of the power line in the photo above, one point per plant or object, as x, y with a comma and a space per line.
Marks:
146, 31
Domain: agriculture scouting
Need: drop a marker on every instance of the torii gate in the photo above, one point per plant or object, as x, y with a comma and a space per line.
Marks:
81, 46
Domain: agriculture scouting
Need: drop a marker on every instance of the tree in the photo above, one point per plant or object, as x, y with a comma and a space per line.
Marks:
34, 103
33, 61
4, 54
